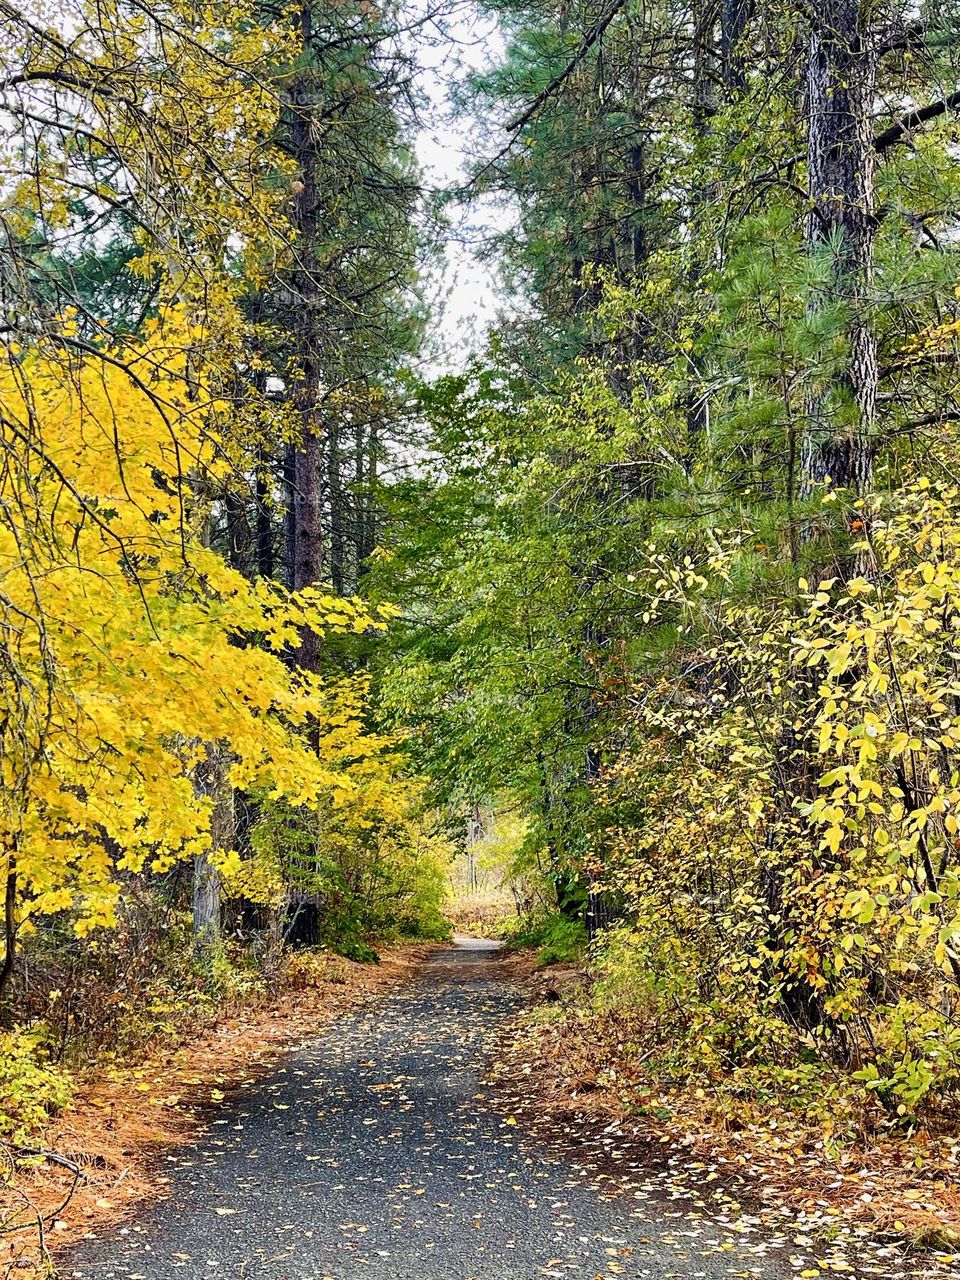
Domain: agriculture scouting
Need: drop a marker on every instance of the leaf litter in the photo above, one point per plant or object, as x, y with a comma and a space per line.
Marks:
775, 1189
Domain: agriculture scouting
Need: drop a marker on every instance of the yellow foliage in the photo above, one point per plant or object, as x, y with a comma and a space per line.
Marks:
788, 815
372, 856
127, 644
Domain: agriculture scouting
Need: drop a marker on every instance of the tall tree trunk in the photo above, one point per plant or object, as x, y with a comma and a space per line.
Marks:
365, 464
712, 62
238, 533
290, 512
474, 836
837, 443
734, 16
211, 780
337, 500
264, 526
10, 923
307, 554
702, 109
636, 191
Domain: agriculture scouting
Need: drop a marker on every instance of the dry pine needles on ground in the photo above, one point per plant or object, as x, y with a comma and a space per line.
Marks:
567, 1076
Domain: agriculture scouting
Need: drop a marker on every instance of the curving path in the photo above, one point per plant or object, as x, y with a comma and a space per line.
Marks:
374, 1154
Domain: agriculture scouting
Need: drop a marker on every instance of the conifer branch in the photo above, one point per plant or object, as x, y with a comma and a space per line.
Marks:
900, 131
590, 38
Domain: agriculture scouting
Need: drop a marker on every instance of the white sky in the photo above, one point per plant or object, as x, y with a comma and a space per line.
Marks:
464, 296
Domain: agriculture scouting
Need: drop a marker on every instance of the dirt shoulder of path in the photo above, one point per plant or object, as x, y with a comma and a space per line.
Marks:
567, 1077
103, 1157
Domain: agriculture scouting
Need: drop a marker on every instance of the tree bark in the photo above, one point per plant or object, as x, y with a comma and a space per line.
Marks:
474, 836
837, 443
238, 534
365, 479
290, 512
264, 526
211, 780
734, 16
337, 500
307, 554
702, 109
206, 903
9, 925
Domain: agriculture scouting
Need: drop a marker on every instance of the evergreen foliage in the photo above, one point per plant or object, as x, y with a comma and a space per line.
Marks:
729, 373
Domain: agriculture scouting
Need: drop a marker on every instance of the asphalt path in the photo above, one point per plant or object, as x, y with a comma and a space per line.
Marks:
377, 1152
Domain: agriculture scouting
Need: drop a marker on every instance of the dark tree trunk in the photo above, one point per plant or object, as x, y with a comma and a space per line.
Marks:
702, 108
307, 554
9, 924
337, 501
734, 16
713, 61
210, 779
264, 526
474, 836
238, 533
600, 910
636, 192
365, 463
837, 443
290, 513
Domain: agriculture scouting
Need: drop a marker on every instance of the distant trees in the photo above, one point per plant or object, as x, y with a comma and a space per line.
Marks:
343, 311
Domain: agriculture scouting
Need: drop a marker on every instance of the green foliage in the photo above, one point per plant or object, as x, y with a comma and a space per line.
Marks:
719, 687
359, 873
677, 563
557, 939
31, 1089
786, 839
916, 1059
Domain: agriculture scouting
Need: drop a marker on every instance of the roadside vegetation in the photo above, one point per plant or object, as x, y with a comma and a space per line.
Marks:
681, 586
194, 779
641, 624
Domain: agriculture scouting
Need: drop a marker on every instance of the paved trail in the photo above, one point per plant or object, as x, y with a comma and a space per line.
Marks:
374, 1154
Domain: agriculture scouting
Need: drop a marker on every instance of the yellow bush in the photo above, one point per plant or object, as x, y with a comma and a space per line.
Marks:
785, 821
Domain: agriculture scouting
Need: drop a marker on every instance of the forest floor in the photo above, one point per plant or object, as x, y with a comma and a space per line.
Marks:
107, 1155
888, 1206
386, 1147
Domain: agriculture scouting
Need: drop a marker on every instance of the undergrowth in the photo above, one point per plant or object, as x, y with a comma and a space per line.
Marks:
556, 938
80, 1005
653, 1030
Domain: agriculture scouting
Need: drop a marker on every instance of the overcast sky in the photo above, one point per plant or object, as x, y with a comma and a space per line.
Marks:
445, 146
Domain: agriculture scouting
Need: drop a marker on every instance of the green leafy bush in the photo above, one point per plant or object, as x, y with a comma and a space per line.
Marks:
31, 1088
380, 878
558, 939
916, 1059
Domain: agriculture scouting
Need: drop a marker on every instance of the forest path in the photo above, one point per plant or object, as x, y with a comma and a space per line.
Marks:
375, 1152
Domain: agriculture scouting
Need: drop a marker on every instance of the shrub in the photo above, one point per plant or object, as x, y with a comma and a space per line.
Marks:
558, 939
305, 970
31, 1088
364, 875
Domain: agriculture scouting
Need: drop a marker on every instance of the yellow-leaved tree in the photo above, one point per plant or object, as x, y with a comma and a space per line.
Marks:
128, 645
